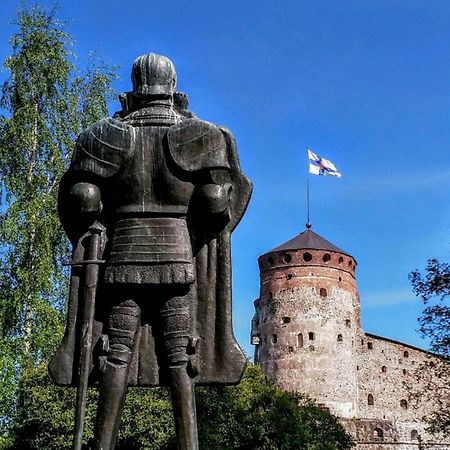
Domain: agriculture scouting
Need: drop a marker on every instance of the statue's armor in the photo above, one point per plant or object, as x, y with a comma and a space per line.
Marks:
150, 243
153, 193
152, 160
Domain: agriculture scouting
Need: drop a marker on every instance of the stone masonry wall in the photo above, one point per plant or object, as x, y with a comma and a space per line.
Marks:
308, 338
307, 319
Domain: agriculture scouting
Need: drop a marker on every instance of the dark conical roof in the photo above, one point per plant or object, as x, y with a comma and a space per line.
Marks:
308, 240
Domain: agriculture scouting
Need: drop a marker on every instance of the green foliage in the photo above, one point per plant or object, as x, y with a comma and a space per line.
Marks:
255, 415
45, 104
434, 374
434, 289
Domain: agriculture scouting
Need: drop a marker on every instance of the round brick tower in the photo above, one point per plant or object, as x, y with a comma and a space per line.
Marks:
307, 321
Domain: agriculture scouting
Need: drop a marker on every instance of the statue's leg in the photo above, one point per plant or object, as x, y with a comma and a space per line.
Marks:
175, 321
123, 324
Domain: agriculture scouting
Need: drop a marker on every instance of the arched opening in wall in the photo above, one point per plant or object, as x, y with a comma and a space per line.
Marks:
323, 292
405, 354
384, 369
339, 337
287, 258
348, 322
326, 258
350, 264
274, 338
340, 278
300, 340
307, 257
311, 336
403, 404
404, 371
291, 349
270, 261
378, 433
370, 400
341, 260
289, 276
370, 345
286, 319
414, 435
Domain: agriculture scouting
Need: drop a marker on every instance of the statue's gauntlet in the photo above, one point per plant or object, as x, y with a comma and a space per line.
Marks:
214, 198
85, 200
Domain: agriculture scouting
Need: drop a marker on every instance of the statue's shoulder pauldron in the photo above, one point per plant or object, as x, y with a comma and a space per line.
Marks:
195, 145
104, 148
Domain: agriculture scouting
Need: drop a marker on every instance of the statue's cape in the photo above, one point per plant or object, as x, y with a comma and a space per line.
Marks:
217, 357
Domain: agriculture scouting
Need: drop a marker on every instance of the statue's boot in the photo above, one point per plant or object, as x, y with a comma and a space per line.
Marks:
183, 405
175, 322
123, 325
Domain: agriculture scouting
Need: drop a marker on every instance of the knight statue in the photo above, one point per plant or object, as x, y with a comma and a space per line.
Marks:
149, 202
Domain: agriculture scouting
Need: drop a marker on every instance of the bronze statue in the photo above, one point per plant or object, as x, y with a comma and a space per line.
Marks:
149, 202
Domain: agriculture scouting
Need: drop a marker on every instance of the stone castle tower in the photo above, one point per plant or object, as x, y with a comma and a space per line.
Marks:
308, 338
307, 319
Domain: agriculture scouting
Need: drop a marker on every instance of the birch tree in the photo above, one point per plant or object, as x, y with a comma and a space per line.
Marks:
45, 103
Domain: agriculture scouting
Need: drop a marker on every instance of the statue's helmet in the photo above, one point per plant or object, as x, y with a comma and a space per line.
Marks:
153, 75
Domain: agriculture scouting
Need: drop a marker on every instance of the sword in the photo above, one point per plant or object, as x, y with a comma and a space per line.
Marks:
89, 290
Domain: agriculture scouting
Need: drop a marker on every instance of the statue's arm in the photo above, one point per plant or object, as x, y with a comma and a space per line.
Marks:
100, 153
213, 193
199, 149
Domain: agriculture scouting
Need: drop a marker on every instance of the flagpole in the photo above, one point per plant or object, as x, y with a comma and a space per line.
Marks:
308, 223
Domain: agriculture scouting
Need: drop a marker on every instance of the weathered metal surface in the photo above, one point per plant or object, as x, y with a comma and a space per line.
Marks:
169, 191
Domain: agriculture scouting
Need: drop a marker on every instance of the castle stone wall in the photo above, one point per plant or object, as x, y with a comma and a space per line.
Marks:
308, 338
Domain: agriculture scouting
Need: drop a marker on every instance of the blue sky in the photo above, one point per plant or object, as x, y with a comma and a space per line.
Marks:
365, 83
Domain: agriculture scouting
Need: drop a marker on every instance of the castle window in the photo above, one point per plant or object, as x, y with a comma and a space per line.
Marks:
323, 292
274, 338
291, 349
286, 319
307, 257
370, 345
404, 371
289, 276
339, 337
255, 340
348, 322
311, 348
384, 369
405, 354
287, 258
414, 435
300, 340
403, 404
326, 258
378, 433
270, 261
350, 263
370, 400
340, 278
341, 260
311, 336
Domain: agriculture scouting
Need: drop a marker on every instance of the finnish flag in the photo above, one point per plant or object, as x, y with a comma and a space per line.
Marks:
321, 166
